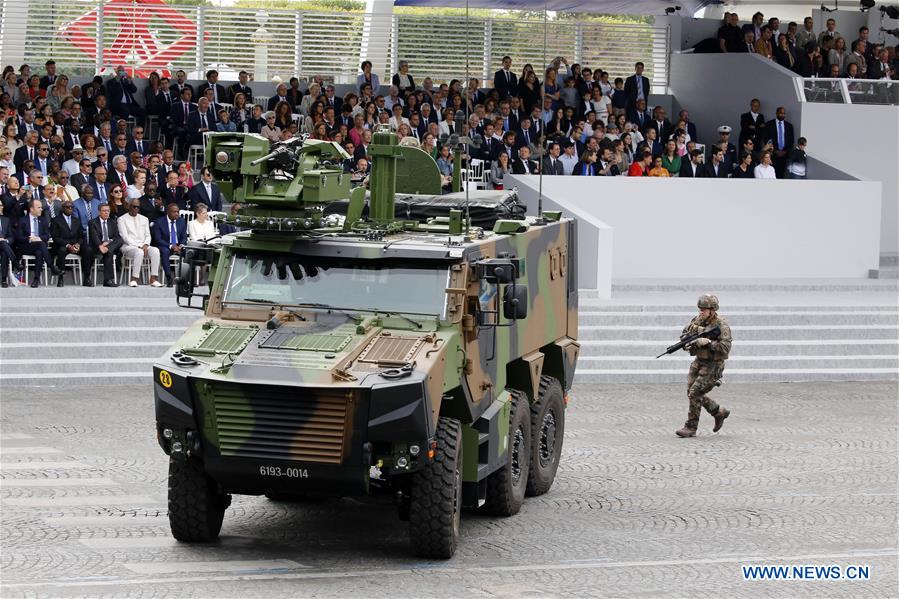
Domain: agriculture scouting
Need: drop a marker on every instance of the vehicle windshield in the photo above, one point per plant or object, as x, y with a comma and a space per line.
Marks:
382, 285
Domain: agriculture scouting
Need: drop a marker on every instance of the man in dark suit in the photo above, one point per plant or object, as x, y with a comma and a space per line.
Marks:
636, 87
7, 255
551, 163
172, 193
752, 124
101, 185
137, 143
169, 233
180, 84
105, 241
28, 151
83, 176
716, 168
504, 80
523, 165
218, 92
525, 135
280, 96
608, 166
491, 146
879, 67
121, 92
362, 149
68, 238
206, 192
33, 235
661, 124
780, 132
49, 79
691, 126
693, 168
200, 121
179, 116
639, 115
241, 87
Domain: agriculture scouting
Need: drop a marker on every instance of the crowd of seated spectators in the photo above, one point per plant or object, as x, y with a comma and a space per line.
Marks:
809, 53
80, 177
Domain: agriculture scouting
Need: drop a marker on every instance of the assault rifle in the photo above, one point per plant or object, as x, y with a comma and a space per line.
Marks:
712, 332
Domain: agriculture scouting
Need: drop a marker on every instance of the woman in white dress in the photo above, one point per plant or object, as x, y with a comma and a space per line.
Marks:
201, 227
136, 189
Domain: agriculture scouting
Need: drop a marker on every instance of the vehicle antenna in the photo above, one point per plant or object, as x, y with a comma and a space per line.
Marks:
467, 114
540, 154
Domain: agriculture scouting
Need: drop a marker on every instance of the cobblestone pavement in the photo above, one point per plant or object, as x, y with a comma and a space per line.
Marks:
800, 474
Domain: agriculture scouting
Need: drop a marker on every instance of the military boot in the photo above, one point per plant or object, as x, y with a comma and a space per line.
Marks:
687, 431
720, 415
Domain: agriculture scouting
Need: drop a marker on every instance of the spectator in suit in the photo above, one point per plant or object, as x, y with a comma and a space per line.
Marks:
206, 192
105, 243
505, 82
33, 235
68, 238
179, 115
119, 173
135, 231
805, 63
651, 142
752, 123
218, 92
151, 203
586, 166
280, 96
100, 184
366, 76
7, 255
50, 78
780, 132
28, 151
86, 207
807, 33
241, 87
551, 163
120, 146
121, 92
169, 233
200, 121
608, 163
525, 136
52, 203
830, 31
639, 115
636, 87
881, 68
499, 170
716, 168
180, 84
730, 153
172, 193
661, 124
693, 168
137, 144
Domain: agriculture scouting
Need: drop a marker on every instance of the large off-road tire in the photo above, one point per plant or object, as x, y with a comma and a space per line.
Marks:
196, 506
435, 505
506, 486
547, 430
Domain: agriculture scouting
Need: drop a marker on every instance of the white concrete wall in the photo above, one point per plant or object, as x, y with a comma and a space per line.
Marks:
708, 228
862, 141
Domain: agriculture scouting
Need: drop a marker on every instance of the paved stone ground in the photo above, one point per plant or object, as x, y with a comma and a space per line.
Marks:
801, 474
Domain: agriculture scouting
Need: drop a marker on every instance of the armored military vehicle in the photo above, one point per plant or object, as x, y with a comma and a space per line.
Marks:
376, 351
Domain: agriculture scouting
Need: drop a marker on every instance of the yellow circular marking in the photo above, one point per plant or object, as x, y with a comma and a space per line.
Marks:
165, 378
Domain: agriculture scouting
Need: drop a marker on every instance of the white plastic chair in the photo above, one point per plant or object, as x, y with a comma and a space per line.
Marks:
98, 265
144, 270
187, 215
75, 261
28, 260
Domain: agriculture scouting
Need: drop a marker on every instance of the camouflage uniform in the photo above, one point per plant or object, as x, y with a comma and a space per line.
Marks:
707, 368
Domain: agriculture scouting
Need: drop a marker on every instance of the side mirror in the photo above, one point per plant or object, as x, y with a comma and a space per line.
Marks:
196, 255
515, 302
184, 279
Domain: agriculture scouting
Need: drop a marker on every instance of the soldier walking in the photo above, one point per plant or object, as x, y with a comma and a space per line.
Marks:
707, 368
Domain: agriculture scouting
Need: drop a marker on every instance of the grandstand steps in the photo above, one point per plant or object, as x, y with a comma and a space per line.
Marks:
783, 331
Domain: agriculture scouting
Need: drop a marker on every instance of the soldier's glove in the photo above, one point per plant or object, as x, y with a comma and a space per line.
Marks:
701, 342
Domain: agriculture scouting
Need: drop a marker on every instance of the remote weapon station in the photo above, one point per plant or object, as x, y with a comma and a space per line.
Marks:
360, 341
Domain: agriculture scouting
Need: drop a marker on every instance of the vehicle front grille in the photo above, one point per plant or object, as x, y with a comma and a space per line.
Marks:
281, 423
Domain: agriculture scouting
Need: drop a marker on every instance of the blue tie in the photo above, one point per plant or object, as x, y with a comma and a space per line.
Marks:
506, 123
780, 135
174, 235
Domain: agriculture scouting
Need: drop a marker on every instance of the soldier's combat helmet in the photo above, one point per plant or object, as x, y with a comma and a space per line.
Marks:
708, 301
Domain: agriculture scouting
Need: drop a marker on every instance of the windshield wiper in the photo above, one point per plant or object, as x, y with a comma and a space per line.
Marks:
274, 322
329, 308
417, 324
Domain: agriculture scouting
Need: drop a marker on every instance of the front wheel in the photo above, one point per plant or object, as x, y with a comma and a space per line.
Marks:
506, 486
196, 506
435, 505
547, 430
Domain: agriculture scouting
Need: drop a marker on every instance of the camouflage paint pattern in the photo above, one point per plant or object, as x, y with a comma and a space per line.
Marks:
708, 367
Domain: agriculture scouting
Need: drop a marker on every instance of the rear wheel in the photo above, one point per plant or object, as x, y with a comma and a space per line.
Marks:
435, 505
547, 430
196, 506
506, 486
